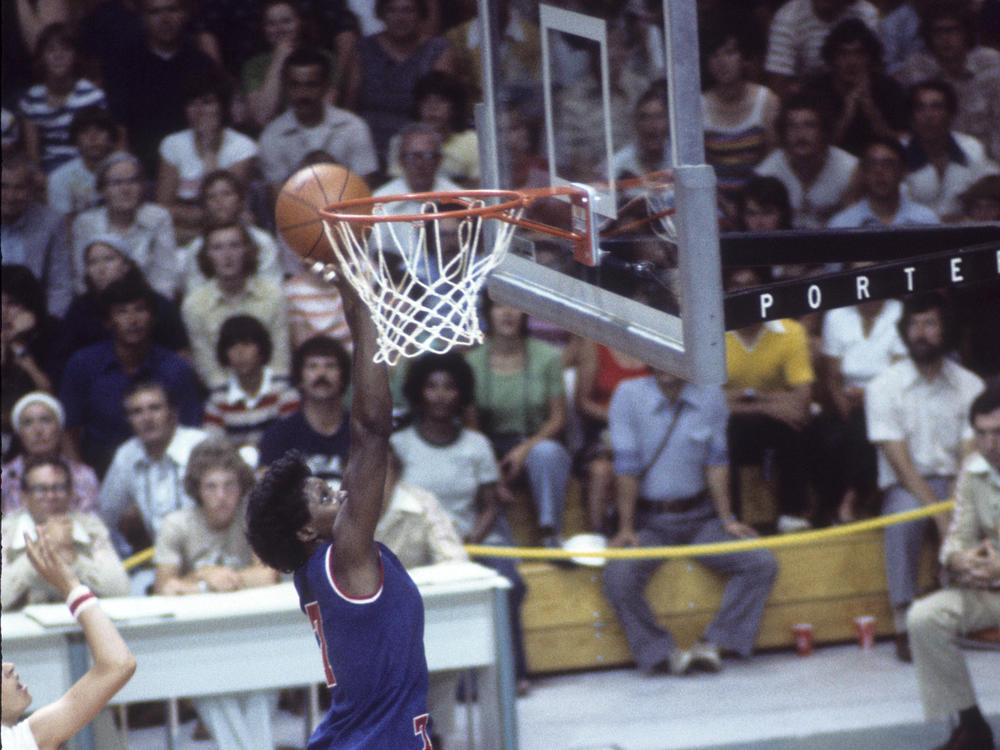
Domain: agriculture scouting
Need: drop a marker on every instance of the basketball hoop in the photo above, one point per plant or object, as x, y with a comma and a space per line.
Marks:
420, 273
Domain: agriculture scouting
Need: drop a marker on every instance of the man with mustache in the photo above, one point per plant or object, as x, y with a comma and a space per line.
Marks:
917, 417
819, 177
310, 124
321, 372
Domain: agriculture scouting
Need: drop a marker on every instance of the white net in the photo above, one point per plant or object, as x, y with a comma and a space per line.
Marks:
421, 279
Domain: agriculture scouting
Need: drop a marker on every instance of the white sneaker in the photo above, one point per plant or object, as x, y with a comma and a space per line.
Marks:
792, 524
680, 661
706, 655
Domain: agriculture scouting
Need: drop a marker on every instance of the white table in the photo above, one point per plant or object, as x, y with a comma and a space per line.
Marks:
259, 640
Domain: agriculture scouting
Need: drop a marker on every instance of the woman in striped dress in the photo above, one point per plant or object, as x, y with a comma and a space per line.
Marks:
47, 108
739, 116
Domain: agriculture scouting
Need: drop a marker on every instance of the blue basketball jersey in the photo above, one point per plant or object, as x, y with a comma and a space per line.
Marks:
373, 658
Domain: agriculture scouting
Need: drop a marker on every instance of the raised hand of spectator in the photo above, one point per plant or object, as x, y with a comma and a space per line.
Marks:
18, 322
859, 97
282, 50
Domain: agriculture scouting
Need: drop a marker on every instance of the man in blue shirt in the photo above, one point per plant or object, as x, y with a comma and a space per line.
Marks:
883, 166
97, 377
672, 487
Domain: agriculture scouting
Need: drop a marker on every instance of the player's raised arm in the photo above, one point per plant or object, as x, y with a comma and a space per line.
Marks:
113, 666
355, 559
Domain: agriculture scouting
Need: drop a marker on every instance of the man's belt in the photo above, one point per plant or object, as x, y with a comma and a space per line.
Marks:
681, 505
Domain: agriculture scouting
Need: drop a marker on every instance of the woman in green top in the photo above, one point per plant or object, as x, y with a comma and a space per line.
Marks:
521, 397
284, 30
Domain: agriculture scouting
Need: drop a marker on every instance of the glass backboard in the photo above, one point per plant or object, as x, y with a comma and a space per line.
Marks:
614, 103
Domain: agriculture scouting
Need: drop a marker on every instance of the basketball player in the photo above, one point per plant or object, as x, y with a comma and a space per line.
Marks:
49, 727
365, 610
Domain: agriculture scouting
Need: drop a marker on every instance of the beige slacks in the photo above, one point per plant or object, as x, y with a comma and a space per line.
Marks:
935, 622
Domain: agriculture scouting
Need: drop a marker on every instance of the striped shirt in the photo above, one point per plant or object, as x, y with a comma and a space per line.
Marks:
315, 308
53, 122
244, 417
796, 35
733, 151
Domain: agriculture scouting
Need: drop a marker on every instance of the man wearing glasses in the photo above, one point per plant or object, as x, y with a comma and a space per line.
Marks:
79, 537
420, 159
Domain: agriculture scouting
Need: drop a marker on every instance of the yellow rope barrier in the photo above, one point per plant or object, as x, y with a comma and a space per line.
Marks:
138, 559
716, 548
691, 550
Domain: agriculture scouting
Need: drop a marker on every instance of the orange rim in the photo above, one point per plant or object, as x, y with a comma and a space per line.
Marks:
512, 200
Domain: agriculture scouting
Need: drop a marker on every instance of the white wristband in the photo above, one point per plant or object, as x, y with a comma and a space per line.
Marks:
80, 599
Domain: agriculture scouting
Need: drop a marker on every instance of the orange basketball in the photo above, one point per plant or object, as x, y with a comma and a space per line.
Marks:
297, 209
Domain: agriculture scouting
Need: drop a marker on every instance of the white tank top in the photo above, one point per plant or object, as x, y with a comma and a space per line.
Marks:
17, 737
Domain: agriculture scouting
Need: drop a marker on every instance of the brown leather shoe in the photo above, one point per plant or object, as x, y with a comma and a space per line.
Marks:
903, 652
969, 738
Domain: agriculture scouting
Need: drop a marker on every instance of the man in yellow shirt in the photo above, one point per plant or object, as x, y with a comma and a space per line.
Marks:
768, 393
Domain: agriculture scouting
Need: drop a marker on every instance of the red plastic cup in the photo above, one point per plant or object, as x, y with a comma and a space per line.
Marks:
865, 625
803, 635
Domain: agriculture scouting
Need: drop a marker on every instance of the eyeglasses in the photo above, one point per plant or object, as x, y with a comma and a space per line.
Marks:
123, 181
421, 156
48, 489
946, 28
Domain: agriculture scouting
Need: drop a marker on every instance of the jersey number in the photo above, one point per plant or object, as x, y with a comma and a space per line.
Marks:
316, 620
420, 730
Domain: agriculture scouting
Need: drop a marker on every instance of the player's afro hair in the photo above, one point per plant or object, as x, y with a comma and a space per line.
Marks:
276, 510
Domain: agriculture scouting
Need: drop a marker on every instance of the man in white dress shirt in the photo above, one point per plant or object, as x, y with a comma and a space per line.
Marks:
420, 159
819, 177
310, 124
917, 417
146, 478
941, 162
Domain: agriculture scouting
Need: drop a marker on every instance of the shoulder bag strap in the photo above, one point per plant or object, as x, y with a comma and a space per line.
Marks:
664, 441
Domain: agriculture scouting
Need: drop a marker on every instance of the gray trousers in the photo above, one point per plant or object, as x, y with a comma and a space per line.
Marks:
934, 623
548, 467
903, 541
735, 625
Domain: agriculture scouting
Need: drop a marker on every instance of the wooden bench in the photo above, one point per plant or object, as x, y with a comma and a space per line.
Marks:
568, 624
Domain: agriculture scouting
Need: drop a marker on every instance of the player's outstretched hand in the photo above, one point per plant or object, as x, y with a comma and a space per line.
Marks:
50, 564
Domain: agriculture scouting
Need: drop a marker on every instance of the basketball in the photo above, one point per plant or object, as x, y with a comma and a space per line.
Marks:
296, 212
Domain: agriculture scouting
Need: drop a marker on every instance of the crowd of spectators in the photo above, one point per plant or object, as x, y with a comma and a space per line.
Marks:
149, 306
